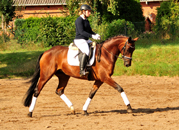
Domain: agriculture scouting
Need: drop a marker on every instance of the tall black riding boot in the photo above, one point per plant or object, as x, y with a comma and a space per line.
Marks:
83, 64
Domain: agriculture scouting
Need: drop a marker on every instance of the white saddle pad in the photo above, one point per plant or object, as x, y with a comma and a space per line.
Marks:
72, 57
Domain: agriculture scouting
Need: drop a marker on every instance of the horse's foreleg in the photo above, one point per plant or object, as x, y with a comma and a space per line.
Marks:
63, 80
112, 83
96, 86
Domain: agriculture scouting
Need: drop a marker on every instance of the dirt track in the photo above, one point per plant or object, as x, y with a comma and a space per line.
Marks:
155, 101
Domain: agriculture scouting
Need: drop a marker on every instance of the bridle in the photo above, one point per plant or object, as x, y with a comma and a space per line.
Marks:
124, 48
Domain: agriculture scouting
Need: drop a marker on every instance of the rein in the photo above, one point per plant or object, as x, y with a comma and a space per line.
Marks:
123, 56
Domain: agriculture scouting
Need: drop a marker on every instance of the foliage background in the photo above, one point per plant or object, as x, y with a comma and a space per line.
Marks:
53, 31
167, 20
156, 52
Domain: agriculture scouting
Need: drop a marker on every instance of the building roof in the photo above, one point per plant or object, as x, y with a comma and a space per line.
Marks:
151, 0
38, 2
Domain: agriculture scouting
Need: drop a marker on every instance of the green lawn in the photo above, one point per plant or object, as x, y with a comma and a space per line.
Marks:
152, 59
149, 58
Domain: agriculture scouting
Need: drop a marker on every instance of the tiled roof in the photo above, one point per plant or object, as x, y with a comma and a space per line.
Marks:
38, 2
151, 0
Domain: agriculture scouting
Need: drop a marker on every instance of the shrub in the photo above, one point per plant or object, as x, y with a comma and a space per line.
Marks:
58, 31
27, 30
53, 31
167, 20
115, 28
49, 30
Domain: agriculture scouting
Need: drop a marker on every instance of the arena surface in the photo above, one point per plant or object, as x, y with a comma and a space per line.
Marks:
155, 101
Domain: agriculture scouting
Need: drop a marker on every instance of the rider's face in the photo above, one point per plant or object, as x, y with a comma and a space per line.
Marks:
88, 12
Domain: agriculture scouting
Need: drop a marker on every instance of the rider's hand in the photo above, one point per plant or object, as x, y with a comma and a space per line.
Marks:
96, 37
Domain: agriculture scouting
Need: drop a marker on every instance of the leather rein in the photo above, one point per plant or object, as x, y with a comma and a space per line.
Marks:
123, 56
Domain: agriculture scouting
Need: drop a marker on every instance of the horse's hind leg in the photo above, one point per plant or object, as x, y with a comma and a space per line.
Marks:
63, 80
44, 77
96, 86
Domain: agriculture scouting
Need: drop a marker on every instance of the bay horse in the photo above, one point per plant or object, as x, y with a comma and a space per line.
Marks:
54, 62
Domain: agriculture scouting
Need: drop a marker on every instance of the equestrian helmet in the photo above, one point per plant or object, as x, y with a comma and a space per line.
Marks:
85, 7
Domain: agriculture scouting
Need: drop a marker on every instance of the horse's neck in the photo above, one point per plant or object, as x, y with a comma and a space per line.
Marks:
113, 46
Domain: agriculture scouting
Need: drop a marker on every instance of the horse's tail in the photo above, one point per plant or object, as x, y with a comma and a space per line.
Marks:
34, 81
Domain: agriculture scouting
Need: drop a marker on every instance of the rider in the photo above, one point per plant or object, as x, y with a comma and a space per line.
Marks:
83, 33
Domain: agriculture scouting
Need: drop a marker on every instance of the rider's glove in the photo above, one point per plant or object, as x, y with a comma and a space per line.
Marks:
96, 37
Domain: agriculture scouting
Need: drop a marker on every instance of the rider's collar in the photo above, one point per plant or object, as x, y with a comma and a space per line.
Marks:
83, 17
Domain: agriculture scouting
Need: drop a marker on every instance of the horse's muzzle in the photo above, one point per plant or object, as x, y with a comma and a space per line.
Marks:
127, 63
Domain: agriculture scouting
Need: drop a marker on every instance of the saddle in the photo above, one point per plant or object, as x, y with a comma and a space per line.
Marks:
74, 54
92, 45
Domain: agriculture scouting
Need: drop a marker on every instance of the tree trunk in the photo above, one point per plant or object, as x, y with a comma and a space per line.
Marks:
3, 32
2, 22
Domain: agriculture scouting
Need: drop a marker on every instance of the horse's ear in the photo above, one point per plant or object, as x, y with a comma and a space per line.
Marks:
135, 39
129, 39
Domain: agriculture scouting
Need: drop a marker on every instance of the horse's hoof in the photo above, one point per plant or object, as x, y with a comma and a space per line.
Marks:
86, 113
72, 110
29, 114
129, 108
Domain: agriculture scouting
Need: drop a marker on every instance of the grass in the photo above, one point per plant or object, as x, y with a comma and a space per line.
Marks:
155, 59
17, 60
151, 57
20, 63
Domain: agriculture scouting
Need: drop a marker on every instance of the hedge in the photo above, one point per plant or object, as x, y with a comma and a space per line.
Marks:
53, 31
49, 30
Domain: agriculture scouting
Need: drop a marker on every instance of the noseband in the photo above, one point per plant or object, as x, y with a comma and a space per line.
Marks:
124, 48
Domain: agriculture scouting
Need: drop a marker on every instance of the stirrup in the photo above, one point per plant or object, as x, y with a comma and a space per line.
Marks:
83, 73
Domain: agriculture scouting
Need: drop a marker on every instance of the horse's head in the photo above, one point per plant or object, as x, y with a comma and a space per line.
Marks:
127, 51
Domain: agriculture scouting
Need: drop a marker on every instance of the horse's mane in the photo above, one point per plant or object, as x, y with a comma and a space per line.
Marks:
113, 37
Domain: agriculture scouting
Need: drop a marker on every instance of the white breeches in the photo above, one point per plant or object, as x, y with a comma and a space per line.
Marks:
83, 45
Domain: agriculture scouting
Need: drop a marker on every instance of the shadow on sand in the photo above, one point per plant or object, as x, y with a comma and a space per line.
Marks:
135, 111
139, 110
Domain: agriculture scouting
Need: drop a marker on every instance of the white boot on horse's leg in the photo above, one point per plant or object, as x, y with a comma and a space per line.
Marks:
85, 107
32, 106
126, 101
68, 102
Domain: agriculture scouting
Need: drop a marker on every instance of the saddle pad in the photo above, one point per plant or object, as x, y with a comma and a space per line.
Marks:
73, 60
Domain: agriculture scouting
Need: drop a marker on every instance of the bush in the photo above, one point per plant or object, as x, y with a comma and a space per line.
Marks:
121, 9
53, 31
49, 30
167, 20
58, 31
27, 30
117, 27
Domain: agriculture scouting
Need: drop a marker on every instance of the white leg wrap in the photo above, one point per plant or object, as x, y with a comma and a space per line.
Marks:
85, 107
32, 106
124, 97
66, 100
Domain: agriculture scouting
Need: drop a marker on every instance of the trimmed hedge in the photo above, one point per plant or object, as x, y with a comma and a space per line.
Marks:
27, 29
53, 31
49, 30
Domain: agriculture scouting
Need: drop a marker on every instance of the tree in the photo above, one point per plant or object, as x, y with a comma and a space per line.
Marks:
8, 12
109, 10
167, 19
130, 10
